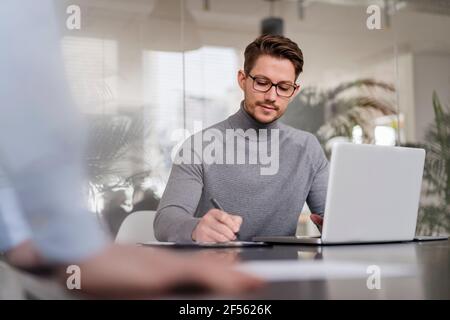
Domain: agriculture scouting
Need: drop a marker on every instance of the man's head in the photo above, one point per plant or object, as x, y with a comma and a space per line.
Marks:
270, 60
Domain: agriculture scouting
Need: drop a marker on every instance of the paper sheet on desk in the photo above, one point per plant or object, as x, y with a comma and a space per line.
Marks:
289, 270
230, 244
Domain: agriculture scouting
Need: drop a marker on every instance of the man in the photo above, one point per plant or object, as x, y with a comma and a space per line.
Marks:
253, 203
43, 225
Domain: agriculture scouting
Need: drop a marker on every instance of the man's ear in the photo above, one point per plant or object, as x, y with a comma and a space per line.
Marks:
241, 79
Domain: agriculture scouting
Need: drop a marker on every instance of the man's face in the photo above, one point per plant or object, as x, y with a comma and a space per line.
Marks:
269, 106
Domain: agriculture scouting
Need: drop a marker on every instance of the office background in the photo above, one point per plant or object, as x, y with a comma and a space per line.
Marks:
141, 70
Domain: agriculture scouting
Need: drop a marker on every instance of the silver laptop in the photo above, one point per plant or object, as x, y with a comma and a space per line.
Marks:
373, 196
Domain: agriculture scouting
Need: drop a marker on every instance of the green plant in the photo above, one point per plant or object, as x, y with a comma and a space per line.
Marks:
110, 138
434, 214
114, 154
356, 103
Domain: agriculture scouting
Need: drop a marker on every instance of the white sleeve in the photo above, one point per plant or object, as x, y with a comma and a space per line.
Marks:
13, 227
40, 140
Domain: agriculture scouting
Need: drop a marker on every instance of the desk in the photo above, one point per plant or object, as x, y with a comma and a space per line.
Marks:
432, 260
432, 281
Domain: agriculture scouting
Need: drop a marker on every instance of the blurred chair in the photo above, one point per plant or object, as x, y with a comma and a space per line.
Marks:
137, 227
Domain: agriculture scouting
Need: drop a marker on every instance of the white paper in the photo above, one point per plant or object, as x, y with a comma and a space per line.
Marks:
288, 270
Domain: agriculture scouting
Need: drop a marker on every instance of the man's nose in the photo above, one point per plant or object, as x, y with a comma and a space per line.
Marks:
271, 95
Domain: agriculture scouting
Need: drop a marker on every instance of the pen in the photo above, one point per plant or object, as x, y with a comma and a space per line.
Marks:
217, 205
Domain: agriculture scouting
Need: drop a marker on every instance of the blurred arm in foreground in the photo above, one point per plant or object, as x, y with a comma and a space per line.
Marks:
41, 148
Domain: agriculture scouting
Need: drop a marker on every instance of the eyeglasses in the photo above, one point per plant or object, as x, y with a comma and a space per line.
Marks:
263, 84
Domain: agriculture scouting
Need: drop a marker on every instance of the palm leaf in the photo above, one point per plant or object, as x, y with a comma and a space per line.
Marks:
349, 110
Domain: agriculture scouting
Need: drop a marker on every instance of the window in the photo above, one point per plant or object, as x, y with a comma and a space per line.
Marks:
91, 68
211, 94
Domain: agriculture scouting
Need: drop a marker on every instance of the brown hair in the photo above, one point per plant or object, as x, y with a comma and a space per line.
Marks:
275, 46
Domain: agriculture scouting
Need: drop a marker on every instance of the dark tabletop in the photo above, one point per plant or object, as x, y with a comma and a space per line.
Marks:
430, 281
431, 259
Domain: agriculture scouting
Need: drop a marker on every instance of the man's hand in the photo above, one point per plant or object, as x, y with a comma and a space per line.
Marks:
217, 226
24, 255
135, 272
317, 220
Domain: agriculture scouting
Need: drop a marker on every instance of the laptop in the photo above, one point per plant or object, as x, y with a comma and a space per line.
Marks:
373, 196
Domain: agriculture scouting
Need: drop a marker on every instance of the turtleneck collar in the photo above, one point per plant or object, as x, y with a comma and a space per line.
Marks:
242, 120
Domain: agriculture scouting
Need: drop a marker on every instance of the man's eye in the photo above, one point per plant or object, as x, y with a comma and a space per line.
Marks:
284, 87
262, 82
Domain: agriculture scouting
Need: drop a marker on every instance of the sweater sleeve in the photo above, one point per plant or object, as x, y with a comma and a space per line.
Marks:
318, 192
175, 219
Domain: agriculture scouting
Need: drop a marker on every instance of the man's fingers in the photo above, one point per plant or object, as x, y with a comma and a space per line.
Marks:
226, 219
233, 282
217, 226
237, 220
215, 236
230, 281
223, 230
317, 219
206, 238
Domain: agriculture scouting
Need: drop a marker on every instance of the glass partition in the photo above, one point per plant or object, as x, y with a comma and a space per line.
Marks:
146, 74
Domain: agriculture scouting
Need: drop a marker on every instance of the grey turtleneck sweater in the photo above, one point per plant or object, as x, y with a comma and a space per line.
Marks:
269, 204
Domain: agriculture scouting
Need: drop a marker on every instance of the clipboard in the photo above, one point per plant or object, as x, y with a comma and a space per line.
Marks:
193, 245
